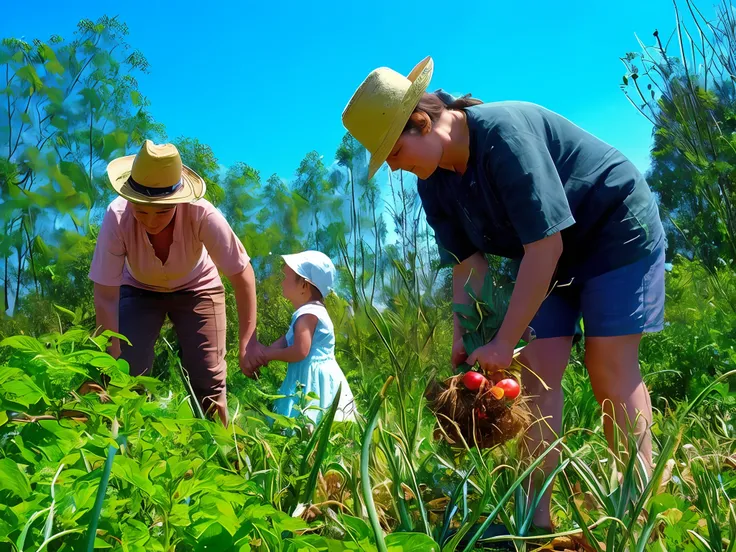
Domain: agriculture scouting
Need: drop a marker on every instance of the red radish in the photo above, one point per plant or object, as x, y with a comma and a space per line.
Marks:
473, 380
510, 387
480, 414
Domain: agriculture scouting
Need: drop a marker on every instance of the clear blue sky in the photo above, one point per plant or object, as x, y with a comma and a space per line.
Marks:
266, 82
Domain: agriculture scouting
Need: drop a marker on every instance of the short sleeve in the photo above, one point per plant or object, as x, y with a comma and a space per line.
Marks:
222, 244
529, 185
109, 256
452, 241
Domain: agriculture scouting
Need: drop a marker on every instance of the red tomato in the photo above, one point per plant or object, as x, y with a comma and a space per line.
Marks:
510, 387
473, 380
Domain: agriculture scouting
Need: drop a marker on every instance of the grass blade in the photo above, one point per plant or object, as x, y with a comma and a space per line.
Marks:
365, 479
533, 466
325, 426
50, 520
102, 489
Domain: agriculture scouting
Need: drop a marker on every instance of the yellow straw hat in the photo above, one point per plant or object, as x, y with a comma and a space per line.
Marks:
380, 108
155, 175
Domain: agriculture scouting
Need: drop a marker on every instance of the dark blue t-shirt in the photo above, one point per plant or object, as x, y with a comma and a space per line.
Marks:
532, 173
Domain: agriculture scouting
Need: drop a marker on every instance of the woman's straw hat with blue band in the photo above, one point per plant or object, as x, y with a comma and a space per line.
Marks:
155, 175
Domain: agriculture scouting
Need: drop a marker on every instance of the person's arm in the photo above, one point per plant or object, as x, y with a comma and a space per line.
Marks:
474, 268
532, 283
244, 286
531, 287
106, 272
456, 250
230, 257
107, 299
534, 197
304, 328
280, 343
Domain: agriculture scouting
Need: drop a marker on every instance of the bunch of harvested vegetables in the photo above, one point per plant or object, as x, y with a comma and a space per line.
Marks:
472, 408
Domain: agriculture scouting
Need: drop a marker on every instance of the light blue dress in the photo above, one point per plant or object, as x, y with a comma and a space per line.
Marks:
319, 372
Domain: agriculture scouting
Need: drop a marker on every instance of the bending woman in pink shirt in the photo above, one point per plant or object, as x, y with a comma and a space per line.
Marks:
158, 253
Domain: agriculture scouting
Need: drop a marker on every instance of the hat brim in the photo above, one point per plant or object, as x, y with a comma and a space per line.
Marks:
118, 171
421, 75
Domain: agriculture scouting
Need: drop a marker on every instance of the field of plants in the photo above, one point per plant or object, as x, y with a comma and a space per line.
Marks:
142, 469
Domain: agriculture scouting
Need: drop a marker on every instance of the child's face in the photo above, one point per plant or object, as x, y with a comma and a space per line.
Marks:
294, 288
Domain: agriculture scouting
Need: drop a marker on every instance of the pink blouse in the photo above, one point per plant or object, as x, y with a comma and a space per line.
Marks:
203, 243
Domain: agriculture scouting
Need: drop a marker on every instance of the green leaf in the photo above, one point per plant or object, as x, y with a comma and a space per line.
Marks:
468, 311
60, 123
54, 67
102, 360
411, 542
467, 324
69, 313
487, 292
56, 95
179, 515
76, 173
472, 341
99, 543
23, 343
17, 387
215, 537
91, 97
113, 142
3, 417
14, 480
278, 419
29, 74
358, 528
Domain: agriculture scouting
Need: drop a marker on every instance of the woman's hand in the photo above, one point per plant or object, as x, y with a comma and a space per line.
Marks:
494, 357
253, 358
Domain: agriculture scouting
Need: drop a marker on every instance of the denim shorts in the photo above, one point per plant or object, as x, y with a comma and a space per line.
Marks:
627, 300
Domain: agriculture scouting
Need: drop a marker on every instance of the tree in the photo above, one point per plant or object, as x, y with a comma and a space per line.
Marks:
68, 108
690, 100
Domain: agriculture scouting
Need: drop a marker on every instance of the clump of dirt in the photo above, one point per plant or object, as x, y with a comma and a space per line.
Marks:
480, 418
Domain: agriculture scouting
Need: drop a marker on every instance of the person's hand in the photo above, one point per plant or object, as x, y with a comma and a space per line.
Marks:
458, 352
249, 367
494, 357
252, 359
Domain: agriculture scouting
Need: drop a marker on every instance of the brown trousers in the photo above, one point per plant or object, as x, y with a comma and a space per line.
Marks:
199, 320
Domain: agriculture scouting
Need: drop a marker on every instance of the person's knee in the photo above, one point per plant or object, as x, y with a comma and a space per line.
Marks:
613, 363
547, 359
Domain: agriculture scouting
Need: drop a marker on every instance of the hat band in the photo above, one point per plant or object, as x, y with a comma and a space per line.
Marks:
154, 192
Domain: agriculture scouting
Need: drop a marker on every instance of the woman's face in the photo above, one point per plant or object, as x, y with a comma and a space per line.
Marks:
154, 218
417, 152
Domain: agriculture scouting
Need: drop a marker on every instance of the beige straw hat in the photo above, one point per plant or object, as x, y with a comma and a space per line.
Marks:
380, 108
155, 175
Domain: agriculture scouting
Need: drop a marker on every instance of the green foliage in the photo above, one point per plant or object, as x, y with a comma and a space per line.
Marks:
686, 89
482, 319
